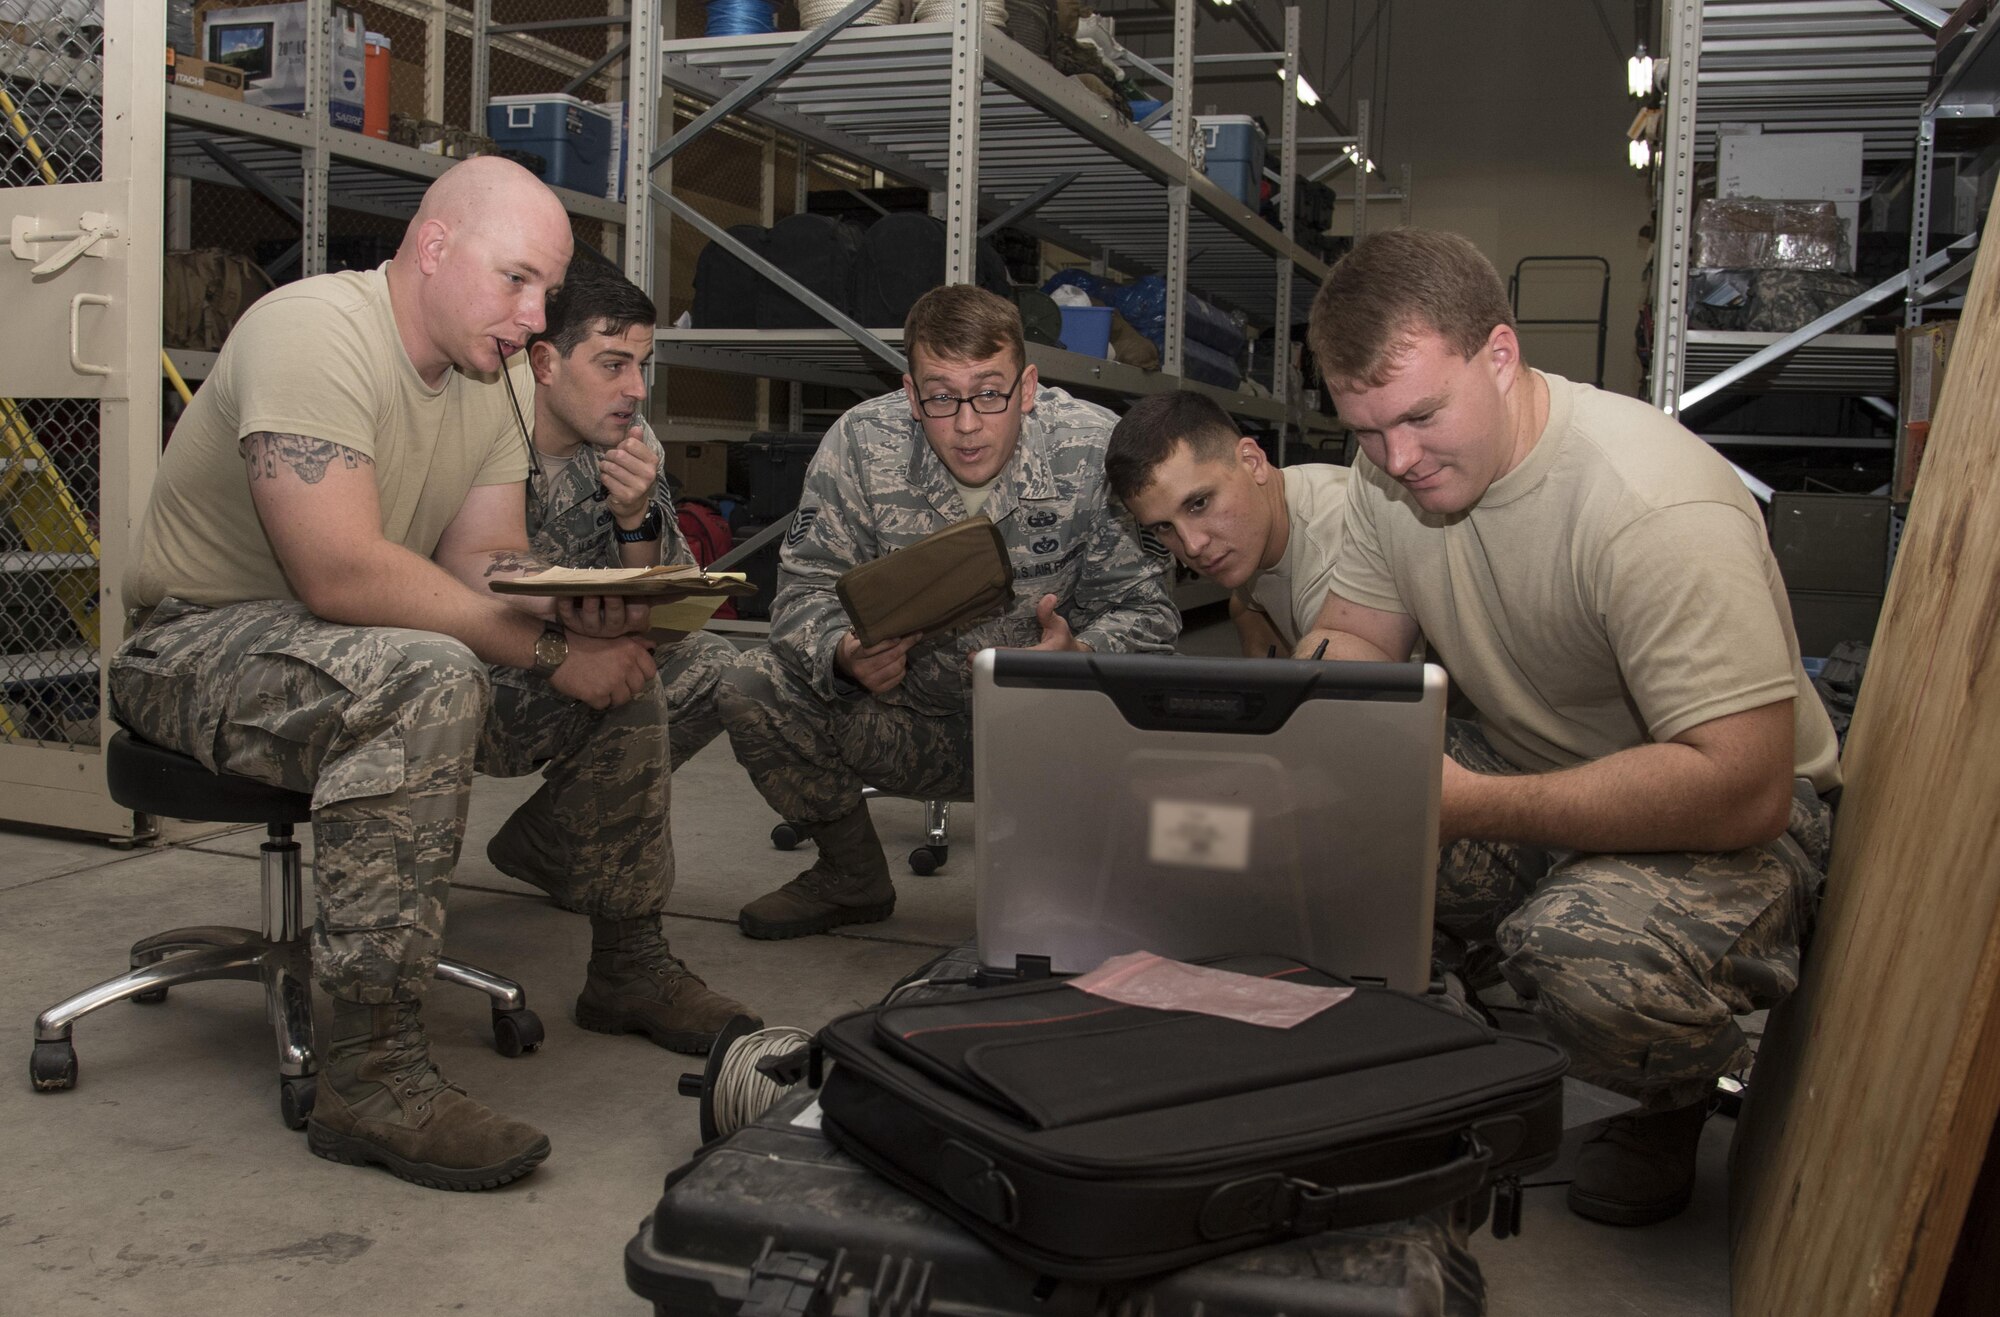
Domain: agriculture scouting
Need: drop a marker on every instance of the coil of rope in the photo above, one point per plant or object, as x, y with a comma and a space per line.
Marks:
732, 1090
741, 18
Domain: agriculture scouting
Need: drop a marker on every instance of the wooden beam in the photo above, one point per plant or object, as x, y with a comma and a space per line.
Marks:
1874, 1099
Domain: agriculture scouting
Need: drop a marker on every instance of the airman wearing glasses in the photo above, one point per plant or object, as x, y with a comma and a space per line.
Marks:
818, 715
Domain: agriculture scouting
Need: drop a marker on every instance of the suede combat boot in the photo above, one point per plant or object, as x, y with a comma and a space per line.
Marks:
849, 884
1639, 1168
382, 1101
529, 847
635, 985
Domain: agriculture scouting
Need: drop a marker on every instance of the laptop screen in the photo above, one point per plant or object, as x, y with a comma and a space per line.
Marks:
1205, 806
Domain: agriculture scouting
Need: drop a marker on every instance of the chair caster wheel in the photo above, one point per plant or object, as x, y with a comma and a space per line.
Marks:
927, 860
53, 1066
295, 1100
516, 1032
150, 997
787, 836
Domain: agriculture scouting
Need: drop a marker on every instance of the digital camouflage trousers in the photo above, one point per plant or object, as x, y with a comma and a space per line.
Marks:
1637, 964
811, 757
384, 727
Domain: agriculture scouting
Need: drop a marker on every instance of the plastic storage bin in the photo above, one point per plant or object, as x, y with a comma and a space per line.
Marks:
572, 137
1235, 159
1086, 330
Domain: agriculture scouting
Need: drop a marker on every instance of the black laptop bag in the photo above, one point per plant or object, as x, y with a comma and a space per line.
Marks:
1097, 1141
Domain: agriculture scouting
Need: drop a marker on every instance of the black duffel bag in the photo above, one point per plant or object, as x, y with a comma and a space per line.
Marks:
725, 289
1097, 1141
902, 257
819, 252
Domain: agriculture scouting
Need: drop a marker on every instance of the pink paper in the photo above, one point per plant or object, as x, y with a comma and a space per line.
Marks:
1144, 979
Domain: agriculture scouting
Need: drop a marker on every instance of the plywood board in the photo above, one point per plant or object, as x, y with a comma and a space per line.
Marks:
1874, 1099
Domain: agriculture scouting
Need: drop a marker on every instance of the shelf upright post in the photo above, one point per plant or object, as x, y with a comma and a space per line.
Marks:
968, 73
1288, 206
1172, 353
128, 435
317, 155
436, 34
1406, 196
482, 47
795, 409
642, 109
1673, 228
1361, 170
1920, 214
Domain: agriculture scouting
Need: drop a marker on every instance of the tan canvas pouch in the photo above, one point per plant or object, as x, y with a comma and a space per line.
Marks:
948, 577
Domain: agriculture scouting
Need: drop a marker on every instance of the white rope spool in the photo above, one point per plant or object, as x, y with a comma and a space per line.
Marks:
813, 13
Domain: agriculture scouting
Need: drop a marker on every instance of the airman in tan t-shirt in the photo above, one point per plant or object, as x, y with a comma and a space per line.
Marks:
1635, 828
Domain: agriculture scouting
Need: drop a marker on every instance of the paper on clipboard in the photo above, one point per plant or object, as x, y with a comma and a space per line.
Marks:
678, 580
689, 614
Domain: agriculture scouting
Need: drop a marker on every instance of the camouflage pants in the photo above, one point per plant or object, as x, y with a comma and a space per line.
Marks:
810, 758
1637, 964
691, 669
384, 728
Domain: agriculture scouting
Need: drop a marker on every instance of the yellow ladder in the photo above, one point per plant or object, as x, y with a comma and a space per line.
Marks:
59, 542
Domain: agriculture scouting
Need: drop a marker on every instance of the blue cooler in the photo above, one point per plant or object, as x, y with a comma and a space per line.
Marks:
1235, 160
572, 136
1086, 330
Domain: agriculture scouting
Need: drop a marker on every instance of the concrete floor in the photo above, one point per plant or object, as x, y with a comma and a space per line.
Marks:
164, 1183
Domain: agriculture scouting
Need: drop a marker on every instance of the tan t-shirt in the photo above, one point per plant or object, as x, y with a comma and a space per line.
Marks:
1290, 594
322, 358
1616, 588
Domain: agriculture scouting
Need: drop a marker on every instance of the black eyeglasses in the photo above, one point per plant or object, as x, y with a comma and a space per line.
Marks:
987, 402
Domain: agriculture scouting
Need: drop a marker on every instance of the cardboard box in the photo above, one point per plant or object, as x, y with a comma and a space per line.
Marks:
268, 44
701, 469
1922, 353
202, 76
406, 87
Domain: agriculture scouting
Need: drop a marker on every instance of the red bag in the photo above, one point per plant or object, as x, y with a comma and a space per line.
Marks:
708, 535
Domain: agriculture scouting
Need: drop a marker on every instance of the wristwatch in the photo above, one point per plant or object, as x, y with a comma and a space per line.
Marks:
647, 531
551, 648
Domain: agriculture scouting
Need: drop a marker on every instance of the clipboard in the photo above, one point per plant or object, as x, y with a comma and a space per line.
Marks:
665, 583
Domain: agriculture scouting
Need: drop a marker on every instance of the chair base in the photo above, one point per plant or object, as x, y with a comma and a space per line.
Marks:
280, 959
925, 860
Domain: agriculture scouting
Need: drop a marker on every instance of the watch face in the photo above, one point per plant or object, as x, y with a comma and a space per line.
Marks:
551, 648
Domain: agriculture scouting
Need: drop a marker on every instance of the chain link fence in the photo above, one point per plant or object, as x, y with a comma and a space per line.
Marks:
51, 78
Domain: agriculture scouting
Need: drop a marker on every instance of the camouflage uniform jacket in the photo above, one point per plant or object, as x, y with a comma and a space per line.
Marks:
875, 486
569, 513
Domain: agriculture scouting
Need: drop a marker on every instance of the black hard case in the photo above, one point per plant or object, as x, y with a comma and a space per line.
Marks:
1101, 1142
774, 1220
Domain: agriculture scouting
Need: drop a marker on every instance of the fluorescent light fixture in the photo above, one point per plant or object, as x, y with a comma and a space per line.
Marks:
1639, 73
1307, 96
1640, 153
1358, 160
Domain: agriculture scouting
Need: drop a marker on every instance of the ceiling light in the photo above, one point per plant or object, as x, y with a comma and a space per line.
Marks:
1640, 153
1307, 96
1639, 73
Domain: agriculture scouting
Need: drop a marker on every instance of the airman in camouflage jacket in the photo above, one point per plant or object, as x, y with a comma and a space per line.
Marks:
570, 525
876, 486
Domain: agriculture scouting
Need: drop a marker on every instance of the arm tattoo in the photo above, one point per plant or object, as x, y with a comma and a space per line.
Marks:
510, 560
308, 458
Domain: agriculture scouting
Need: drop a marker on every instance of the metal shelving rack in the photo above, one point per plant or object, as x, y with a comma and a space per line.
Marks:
304, 165
996, 134
1788, 66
